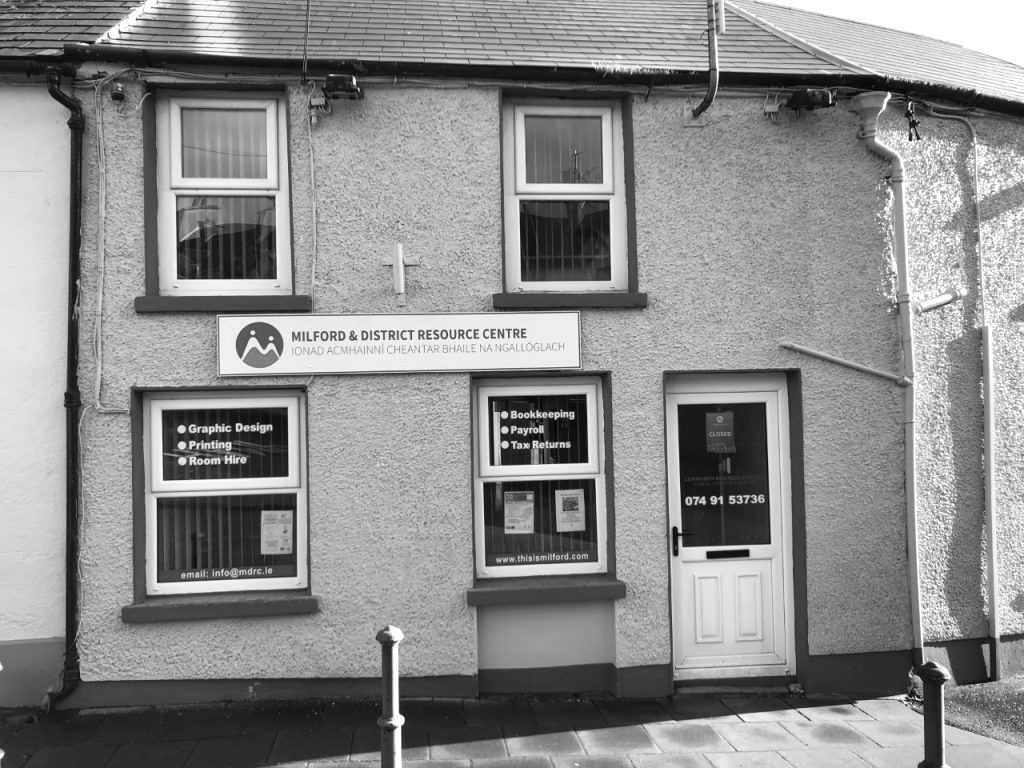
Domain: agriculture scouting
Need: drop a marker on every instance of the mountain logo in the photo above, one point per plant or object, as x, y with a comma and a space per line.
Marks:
259, 345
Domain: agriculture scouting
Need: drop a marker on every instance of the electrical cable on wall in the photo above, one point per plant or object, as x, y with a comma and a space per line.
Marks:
101, 166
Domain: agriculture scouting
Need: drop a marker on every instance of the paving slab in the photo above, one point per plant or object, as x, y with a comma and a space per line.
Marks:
80, 756
231, 752
500, 713
201, 724
531, 742
131, 727
688, 737
895, 757
618, 712
978, 755
592, 761
568, 714
816, 757
617, 740
828, 734
892, 733
166, 754
887, 709
512, 762
762, 709
690, 760
433, 713
758, 737
466, 743
748, 760
301, 744
837, 709
700, 707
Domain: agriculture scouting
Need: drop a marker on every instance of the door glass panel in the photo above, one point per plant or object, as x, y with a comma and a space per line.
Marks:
723, 474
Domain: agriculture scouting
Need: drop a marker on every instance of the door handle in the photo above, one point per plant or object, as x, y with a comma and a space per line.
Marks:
676, 536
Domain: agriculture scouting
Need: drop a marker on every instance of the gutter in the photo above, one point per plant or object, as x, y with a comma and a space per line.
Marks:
870, 106
70, 675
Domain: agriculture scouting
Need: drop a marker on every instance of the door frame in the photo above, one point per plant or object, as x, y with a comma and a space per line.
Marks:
711, 384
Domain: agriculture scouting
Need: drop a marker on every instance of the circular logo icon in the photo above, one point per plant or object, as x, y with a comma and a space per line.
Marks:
719, 419
259, 345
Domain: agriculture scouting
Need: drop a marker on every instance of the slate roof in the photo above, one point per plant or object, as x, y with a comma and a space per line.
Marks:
762, 42
42, 27
573, 34
892, 53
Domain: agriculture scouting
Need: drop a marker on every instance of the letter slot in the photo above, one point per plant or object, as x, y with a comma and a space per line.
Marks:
722, 554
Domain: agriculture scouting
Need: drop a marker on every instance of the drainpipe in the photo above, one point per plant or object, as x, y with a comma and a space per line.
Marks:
72, 395
870, 106
988, 393
712, 62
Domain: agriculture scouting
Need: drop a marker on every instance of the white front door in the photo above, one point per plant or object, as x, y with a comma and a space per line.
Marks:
730, 539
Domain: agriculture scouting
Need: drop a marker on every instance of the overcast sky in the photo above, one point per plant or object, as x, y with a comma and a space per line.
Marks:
995, 27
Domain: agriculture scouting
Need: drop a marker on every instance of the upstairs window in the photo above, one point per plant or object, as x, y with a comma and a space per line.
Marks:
223, 204
565, 202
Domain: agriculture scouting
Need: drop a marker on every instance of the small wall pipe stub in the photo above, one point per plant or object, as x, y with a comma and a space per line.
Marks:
390, 721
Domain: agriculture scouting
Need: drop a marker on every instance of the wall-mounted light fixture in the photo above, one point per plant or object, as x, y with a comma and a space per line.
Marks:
116, 91
811, 98
342, 87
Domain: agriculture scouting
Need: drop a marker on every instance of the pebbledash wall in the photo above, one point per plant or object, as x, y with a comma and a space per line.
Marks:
749, 233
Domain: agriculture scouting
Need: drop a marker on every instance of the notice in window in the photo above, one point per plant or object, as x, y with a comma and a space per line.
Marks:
721, 433
519, 512
540, 429
570, 511
224, 443
276, 528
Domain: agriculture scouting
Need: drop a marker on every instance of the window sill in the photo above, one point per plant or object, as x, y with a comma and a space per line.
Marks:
545, 589
282, 303
532, 300
224, 606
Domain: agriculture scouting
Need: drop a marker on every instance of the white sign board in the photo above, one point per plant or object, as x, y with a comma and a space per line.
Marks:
301, 345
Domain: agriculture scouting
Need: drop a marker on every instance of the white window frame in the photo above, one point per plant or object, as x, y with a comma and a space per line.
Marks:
610, 189
171, 184
157, 487
593, 469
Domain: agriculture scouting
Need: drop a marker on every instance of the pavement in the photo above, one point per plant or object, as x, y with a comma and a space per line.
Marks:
689, 730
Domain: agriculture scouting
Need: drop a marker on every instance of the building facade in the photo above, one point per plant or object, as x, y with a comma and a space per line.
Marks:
582, 385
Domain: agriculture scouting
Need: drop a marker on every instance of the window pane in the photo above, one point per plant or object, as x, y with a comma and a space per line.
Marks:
227, 238
724, 475
224, 443
565, 240
538, 429
563, 150
540, 522
205, 538
223, 143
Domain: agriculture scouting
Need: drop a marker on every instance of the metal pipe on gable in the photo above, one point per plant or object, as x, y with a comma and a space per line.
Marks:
869, 106
989, 416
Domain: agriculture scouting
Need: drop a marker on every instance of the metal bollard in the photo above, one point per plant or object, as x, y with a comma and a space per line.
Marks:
934, 676
390, 721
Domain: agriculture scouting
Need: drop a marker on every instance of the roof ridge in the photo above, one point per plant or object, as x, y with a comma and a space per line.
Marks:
798, 41
115, 30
